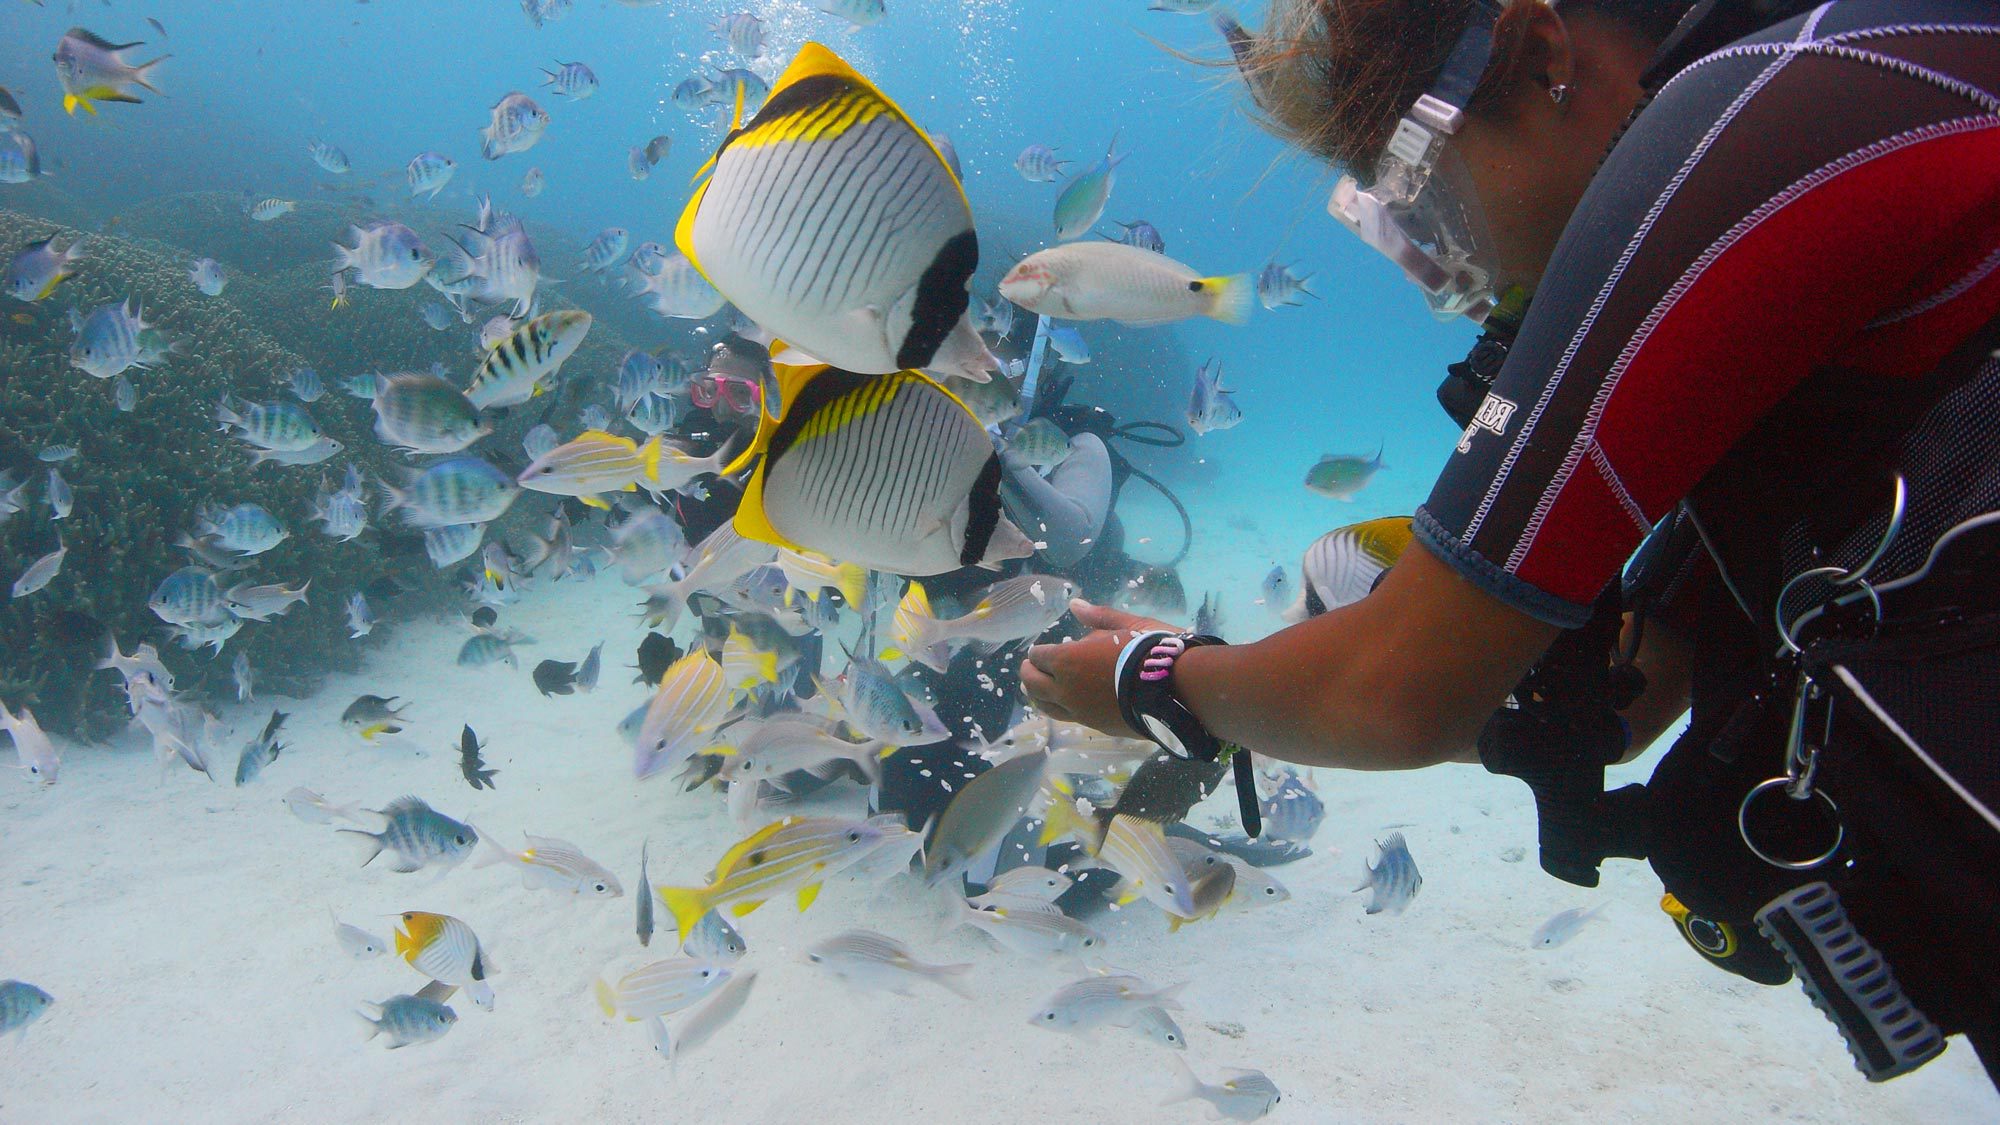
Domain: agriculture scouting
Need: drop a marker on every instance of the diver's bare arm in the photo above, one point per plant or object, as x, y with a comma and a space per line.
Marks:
1402, 679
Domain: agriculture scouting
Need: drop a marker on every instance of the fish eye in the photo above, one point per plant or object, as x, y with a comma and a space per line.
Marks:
601, 887
1049, 1016
460, 839
854, 837
409, 914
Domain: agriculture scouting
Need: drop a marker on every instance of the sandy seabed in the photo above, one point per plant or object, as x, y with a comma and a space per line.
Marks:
184, 930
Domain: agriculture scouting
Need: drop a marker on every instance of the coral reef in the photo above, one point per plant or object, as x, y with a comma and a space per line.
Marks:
141, 478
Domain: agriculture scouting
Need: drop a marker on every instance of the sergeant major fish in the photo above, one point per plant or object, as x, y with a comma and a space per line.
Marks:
418, 835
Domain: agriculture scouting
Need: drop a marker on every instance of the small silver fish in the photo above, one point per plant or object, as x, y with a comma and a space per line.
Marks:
61, 499
41, 572
360, 619
359, 943
868, 959
1242, 1095
714, 939
1078, 1007
315, 809
555, 865
645, 900
260, 751
1562, 927
56, 454
246, 681
1155, 1024
1392, 879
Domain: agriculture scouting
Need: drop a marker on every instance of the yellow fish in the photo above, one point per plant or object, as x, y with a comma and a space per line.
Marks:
794, 852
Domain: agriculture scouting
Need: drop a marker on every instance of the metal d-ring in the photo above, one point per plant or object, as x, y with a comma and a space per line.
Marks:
1743, 825
1856, 575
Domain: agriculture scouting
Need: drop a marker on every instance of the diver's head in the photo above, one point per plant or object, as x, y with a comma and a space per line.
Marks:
1469, 128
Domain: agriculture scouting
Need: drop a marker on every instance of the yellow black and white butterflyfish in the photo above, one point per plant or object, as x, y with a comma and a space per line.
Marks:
831, 220
889, 472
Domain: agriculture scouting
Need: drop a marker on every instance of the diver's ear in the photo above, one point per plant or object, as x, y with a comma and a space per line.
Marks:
1535, 60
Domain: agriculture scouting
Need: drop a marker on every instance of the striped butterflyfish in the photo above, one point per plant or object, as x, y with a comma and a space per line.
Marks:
888, 472
524, 364
1342, 566
832, 221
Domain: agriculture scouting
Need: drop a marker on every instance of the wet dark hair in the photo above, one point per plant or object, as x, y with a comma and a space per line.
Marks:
1333, 76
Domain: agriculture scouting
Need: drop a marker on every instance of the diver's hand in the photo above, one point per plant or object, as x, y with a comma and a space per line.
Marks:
1072, 680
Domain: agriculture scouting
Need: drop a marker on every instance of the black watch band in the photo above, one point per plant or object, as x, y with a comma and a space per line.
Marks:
1146, 700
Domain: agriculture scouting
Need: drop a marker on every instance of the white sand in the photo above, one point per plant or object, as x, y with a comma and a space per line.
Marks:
183, 929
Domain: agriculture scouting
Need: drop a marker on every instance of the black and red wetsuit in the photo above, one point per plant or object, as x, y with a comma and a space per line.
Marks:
1820, 200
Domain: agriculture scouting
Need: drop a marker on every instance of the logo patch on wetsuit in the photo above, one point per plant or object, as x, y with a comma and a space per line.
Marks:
1494, 413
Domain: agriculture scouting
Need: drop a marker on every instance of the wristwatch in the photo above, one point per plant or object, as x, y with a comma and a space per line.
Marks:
1145, 688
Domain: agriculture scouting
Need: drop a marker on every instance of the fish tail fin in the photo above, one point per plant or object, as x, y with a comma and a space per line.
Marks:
367, 845
372, 1024
1229, 299
1189, 1088
952, 977
649, 459
852, 582
1168, 998
1061, 817
226, 414
687, 905
489, 851
607, 1000
143, 74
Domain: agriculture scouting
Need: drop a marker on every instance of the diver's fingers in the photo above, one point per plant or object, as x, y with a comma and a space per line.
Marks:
1039, 686
1104, 617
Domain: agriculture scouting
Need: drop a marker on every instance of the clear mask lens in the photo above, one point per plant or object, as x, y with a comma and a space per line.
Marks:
1422, 214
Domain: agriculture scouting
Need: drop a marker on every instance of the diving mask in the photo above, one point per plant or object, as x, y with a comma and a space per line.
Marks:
1421, 210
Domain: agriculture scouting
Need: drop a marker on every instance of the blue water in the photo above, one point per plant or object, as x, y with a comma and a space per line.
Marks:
175, 920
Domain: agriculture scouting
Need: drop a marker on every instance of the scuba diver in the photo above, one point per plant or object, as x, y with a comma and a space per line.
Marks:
1727, 445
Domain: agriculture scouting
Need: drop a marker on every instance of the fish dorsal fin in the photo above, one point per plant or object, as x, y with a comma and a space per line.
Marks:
736, 854
601, 435
101, 42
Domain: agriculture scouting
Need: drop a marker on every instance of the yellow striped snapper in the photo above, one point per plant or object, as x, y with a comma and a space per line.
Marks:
93, 69
660, 988
1341, 567
886, 472
1012, 610
874, 288
1112, 281
689, 702
744, 665
796, 852
526, 363
810, 573
447, 951
552, 864
867, 959
1208, 891
596, 462
1135, 848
